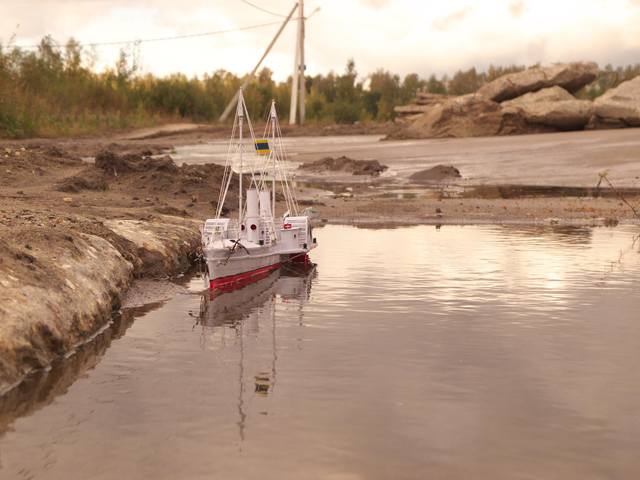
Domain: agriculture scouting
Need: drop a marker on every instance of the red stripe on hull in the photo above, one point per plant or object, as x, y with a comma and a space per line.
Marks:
299, 258
232, 282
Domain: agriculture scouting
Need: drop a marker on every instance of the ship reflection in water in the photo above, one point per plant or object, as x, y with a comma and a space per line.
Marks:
247, 310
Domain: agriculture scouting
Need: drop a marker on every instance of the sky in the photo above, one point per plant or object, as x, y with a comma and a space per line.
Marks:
402, 36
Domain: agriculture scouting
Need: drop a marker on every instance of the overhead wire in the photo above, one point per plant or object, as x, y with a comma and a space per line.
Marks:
163, 39
262, 9
176, 37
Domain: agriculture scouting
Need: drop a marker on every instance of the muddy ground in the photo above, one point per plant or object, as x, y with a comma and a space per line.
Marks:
50, 174
75, 233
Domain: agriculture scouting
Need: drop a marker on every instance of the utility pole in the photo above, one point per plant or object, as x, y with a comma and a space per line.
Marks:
301, 83
297, 84
233, 101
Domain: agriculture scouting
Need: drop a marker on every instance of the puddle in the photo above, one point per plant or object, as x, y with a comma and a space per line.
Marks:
465, 352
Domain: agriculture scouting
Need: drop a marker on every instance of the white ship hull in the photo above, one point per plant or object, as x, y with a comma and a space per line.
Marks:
242, 266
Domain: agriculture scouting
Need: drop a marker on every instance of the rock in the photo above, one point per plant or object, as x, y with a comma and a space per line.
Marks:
618, 107
467, 116
426, 98
552, 107
346, 165
570, 76
411, 109
436, 174
551, 94
423, 102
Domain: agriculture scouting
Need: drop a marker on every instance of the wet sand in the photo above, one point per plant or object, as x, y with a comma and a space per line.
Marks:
564, 159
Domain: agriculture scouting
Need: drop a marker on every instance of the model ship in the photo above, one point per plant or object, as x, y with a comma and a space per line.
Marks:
243, 249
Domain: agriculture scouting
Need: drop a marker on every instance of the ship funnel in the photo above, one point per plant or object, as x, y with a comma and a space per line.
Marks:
265, 203
252, 220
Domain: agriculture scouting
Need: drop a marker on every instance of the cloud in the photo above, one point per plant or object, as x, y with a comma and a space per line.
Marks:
517, 8
445, 23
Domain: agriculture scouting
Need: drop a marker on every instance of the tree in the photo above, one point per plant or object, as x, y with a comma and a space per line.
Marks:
436, 86
464, 82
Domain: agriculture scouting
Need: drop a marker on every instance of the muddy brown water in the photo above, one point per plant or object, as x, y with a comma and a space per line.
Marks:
460, 352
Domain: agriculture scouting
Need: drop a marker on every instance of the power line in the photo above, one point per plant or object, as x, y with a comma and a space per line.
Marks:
258, 7
163, 39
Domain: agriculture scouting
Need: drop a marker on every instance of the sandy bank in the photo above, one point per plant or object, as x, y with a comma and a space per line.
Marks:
62, 276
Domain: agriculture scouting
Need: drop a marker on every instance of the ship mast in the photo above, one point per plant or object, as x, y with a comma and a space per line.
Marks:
274, 119
240, 113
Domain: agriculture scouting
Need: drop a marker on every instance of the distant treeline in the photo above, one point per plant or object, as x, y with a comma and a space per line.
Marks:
53, 91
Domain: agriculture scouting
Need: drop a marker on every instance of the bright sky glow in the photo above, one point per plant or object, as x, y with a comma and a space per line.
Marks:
403, 36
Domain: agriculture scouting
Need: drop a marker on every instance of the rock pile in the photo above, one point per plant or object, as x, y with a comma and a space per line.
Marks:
571, 76
532, 101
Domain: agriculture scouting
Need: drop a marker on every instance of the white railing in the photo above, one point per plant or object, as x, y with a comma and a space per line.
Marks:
219, 229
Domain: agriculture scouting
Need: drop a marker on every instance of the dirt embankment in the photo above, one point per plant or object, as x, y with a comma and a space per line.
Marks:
62, 275
74, 235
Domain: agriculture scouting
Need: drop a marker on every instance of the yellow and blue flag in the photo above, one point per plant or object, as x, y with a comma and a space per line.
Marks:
262, 147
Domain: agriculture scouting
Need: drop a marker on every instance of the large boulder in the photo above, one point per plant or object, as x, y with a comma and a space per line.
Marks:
570, 76
467, 116
552, 107
618, 107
